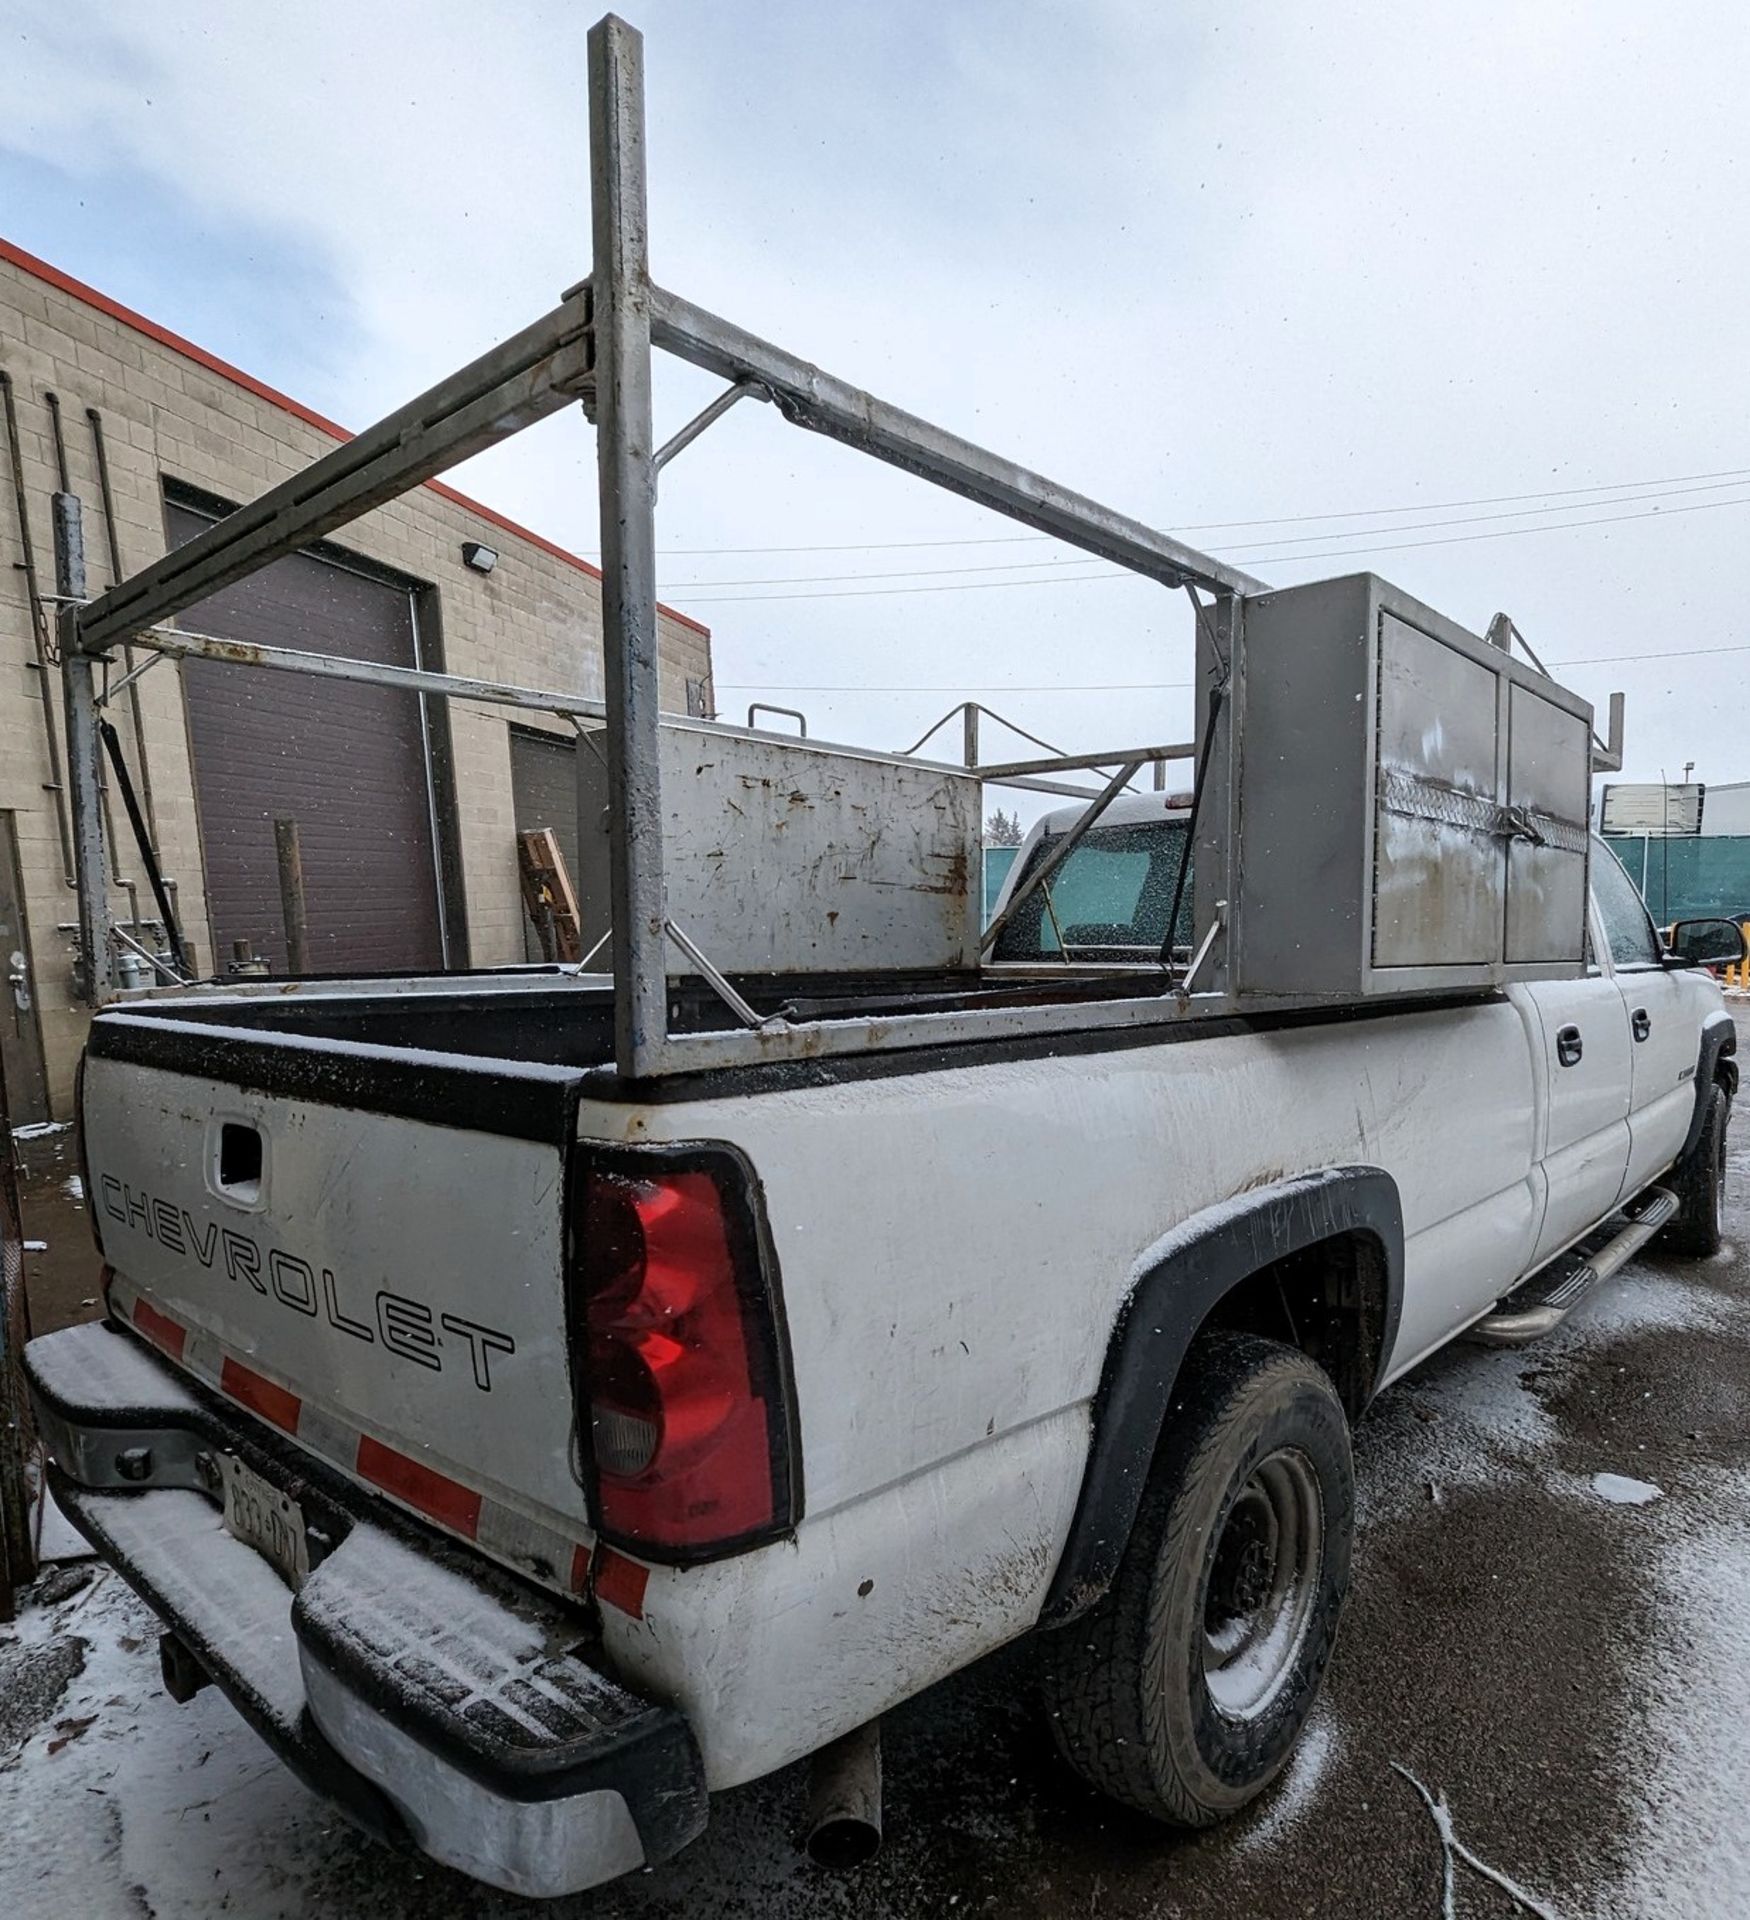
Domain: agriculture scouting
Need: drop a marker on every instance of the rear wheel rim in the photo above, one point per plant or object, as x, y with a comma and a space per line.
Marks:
1262, 1586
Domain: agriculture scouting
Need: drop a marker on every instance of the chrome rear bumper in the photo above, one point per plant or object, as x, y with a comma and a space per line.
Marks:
439, 1703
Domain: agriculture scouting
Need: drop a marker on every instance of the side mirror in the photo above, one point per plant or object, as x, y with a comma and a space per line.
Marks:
1708, 943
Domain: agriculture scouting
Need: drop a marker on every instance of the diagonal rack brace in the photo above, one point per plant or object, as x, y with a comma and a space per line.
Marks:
537, 372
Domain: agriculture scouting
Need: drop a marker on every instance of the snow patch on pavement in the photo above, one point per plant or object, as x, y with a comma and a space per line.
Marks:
1471, 1417
1294, 1794
1463, 1421
1693, 1862
1621, 1491
148, 1806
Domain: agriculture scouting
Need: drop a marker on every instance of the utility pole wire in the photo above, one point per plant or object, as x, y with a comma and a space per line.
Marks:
1126, 573
1180, 686
1217, 526
1297, 540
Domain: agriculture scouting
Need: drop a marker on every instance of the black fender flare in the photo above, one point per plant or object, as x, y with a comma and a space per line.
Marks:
1182, 1279
1715, 1065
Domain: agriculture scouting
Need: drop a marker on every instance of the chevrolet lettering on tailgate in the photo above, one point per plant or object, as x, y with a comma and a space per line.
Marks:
405, 1326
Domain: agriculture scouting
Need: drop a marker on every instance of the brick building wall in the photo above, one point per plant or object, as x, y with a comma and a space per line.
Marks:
172, 415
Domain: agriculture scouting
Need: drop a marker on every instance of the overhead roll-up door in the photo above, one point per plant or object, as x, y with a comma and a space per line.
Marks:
348, 761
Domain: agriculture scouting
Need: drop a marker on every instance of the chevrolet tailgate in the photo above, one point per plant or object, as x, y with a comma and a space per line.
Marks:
364, 1247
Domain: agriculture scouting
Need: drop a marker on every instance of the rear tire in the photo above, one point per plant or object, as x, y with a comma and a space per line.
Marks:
1183, 1691
1699, 1183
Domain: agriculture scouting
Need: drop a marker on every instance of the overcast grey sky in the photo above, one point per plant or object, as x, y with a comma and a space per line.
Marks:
1456, 276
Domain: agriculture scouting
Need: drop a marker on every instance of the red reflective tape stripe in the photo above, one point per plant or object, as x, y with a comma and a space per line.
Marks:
434, 1494
621, 1582
163, 1332
249, 1389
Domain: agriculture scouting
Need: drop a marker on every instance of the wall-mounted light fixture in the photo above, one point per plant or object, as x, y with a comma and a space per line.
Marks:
481, 559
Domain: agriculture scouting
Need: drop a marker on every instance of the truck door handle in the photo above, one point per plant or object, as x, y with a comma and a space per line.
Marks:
1642, 1022
1568, 1048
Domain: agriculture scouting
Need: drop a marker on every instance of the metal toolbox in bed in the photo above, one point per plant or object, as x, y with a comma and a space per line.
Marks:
788, 856
1412, 802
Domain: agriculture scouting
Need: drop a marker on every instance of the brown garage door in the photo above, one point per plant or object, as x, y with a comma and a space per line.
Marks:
543, 784
347, 761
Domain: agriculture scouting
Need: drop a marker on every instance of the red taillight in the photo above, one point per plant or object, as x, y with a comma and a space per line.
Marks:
681, 1360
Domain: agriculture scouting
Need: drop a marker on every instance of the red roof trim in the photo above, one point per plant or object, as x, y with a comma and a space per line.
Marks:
89, 296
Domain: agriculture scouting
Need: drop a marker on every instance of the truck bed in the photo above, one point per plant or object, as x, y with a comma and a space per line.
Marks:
558, 1018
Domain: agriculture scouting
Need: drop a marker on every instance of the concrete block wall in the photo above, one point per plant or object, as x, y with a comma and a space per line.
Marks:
170, 414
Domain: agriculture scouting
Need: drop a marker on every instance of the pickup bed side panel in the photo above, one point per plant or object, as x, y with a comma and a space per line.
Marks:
956, 1248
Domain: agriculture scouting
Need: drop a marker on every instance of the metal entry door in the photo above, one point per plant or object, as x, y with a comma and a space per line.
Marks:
21, 1042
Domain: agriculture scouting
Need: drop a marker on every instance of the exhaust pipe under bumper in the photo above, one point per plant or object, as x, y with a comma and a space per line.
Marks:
842, 1827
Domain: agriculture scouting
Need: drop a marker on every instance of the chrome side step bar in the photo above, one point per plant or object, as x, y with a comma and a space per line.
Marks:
1539, 1305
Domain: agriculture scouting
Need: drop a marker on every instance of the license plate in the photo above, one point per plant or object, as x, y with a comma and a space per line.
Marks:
264, 1518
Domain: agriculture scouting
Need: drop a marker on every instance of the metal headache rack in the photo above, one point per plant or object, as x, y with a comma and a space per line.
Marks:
595, 349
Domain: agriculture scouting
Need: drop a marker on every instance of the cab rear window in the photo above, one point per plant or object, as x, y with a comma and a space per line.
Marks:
1109, 899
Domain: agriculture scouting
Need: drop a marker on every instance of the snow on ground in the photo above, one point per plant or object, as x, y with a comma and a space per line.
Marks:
123, 1803
1292, 1799
1621, 1491
1465, 1422
1693, 1862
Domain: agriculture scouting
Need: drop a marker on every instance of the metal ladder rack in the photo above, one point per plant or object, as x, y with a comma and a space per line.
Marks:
595, 348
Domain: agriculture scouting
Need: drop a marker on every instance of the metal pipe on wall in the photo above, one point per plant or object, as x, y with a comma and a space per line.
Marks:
63, 478
79, 688
100, 453
64, 481
45, 652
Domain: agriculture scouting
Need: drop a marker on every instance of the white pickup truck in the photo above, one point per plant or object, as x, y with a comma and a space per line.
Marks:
529, 1456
